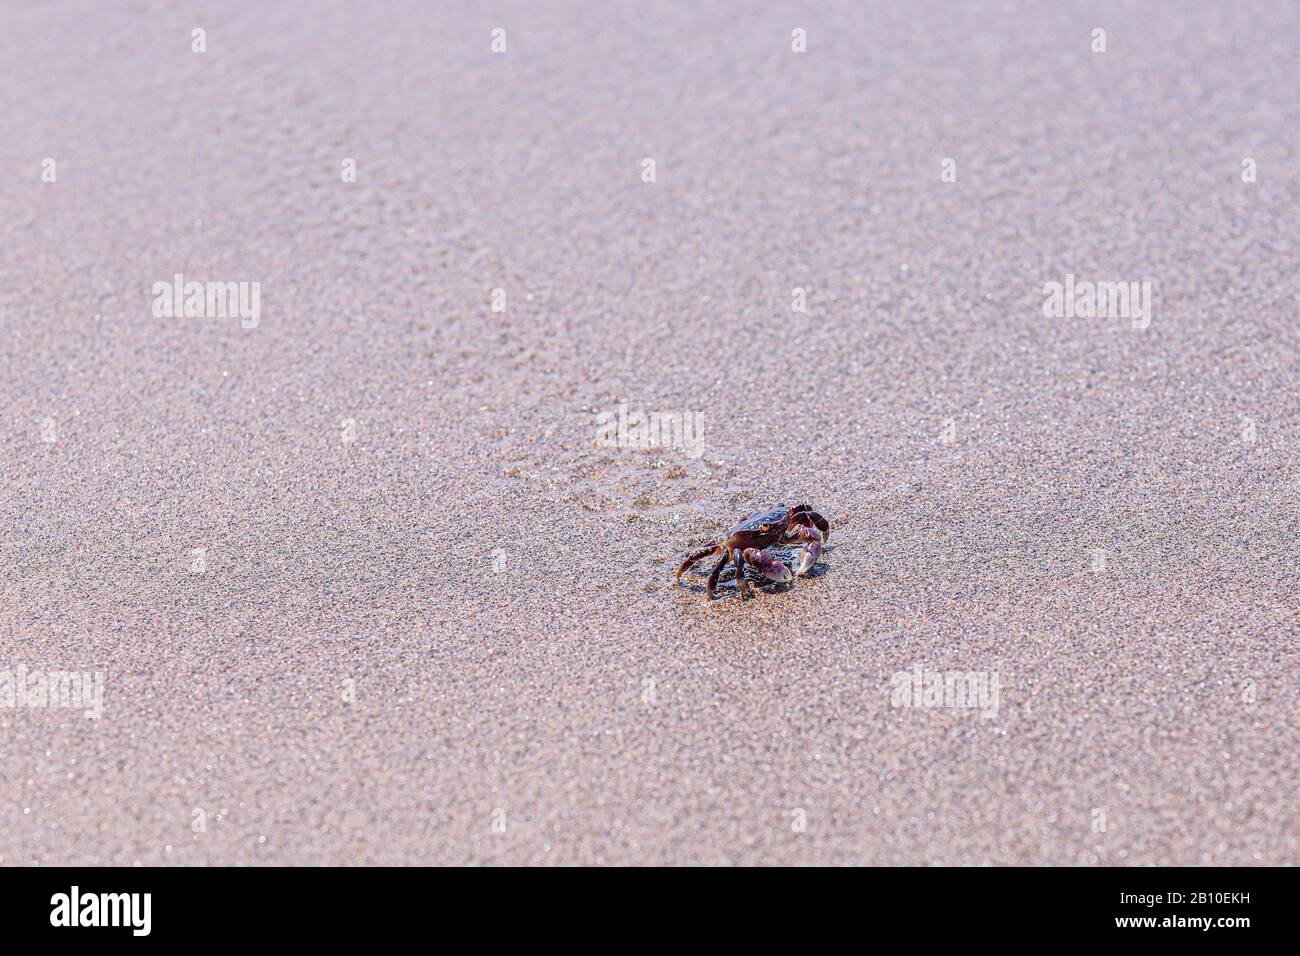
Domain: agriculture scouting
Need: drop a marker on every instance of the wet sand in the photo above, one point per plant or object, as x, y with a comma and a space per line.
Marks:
364, 587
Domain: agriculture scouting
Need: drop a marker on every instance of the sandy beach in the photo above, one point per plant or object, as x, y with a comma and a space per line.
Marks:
364, 582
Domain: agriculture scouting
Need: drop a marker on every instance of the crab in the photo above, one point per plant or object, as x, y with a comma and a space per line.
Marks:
749, 540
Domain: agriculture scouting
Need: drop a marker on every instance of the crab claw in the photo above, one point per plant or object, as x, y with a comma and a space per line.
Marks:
768, 566
812, 547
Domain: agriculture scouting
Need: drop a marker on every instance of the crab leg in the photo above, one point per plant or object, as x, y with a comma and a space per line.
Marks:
741, 584
711, 548
717, 570
804, 515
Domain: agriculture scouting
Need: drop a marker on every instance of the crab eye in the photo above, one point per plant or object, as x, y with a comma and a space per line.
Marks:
764, 527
